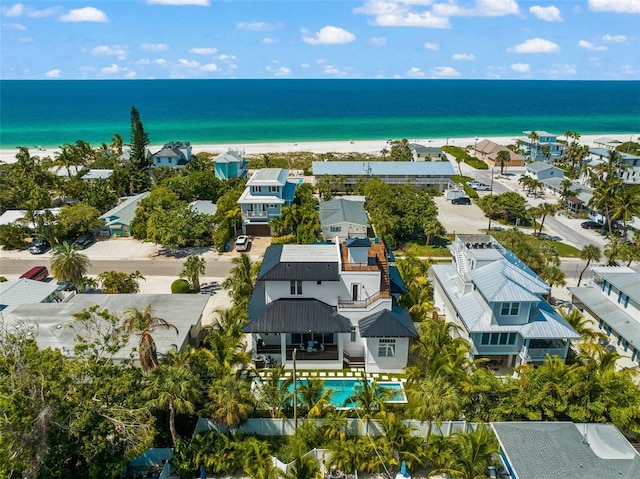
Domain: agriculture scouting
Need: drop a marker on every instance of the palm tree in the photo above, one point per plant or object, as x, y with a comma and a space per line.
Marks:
434, 400
546, 209
304, 467
589, 253
230, 401
241, 279
143, 324
66, 158
174, 388
233, 216
368, 398
68, 264
472, 453
193, 267
116, 147
230, 322
565, 191
314, 397
334, 425
626, 206
274, 394
227, 354
581, 324
554, 276
503, 158
533, 149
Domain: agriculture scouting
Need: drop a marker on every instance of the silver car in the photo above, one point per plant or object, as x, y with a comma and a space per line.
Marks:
242, 243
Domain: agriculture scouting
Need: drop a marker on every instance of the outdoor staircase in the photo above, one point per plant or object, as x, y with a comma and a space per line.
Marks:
384, 276
461, 261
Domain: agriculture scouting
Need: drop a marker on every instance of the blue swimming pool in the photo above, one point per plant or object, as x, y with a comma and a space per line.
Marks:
343, 389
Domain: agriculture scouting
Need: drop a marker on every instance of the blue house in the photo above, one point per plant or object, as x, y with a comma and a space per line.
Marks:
266, 193
175, 154
230, 165
545, 148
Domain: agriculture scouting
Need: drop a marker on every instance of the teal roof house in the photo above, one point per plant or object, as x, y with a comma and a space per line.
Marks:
499, 305
117, 221
545, 148
174, 155
343, 218
230, 165
266, 193
612, 301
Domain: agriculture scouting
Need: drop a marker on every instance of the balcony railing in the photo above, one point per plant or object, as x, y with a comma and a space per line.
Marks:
541, 354
361, 303
257, 214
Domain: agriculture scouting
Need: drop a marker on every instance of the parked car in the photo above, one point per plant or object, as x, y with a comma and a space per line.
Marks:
463, 200
37, 273
39, 246
84, 241
242, 243
591, 225
481, 187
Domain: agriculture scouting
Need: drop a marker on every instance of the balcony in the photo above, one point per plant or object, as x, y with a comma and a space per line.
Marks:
362, 303
257, 214
541, 354
330, 352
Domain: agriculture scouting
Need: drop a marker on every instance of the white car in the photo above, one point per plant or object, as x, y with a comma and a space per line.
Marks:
242, 243
481, 187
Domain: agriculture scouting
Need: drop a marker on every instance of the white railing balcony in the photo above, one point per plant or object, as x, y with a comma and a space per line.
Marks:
257, 214
541, 354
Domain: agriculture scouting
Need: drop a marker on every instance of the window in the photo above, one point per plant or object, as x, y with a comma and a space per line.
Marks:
296, 287
387, 348
512, 338
255, 189
335, 229
274, 189
484, 340
510, 309
352, 337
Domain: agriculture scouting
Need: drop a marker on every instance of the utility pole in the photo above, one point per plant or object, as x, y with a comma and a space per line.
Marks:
295, 393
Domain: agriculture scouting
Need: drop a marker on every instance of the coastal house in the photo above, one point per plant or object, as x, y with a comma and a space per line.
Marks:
54, 325
487, 151
544, 148
612, 301
433, 175
426, 153
499, 305
343, 218
93, 175
607, 143
17, 292
117, 221
536, 449
175, 154
629, 173
543, 171
266, 193
334, 304
230, 165
19, 216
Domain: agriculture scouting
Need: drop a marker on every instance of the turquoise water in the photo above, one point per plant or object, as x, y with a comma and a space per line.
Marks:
50, 113
343, 389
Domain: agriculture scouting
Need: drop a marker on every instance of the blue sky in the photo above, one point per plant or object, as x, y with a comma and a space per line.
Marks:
484, 39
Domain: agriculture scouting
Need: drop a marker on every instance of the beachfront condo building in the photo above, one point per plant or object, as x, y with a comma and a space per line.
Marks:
499, 305
334, 304
544, 147
266, 193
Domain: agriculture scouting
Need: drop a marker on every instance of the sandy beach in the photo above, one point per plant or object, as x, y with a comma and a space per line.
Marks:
355, 145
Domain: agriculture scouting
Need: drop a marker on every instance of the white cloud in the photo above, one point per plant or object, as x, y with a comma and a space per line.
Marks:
279, 72
86, 14
616, 6
154, 47
305, 65
198, 3
209, 67
548, 14
424, 19
258, 26
377, 42
627, 70
161, 61
521, 67
130, 75
55, 73
590, 46
562, 71
329, 35
431, 46
269, 41
464, 57
331, 70
25, 39
415, 72
535, 45
402, 14
14, 26
188, 63
444, 72
614, 38
203, 51
18, 9
119, 51
226, 58
483, 8
111, 70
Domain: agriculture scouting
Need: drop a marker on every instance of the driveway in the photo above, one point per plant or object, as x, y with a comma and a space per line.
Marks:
463, 219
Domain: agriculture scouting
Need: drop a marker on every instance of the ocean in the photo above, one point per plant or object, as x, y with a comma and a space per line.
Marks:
50, 113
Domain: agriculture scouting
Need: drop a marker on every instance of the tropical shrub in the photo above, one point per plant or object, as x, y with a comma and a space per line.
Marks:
180, 286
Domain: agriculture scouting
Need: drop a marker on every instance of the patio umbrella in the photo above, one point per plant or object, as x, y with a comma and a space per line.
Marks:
403, 469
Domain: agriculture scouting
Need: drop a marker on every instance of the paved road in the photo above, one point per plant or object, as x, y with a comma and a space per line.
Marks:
163, 267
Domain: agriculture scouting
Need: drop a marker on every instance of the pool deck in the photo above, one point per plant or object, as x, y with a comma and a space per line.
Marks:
354, 373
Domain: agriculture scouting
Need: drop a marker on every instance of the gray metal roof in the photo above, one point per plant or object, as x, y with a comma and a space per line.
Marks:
501, 281
540, 133
125, 211
539, 166
269, 177
229, 157
205, 207
298, 316
626, 281
601, 307
168, 153
21, 291
97, 174
300, 263
563, 450
52, 320
388, 324
339, 210
477, 316
383, 168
